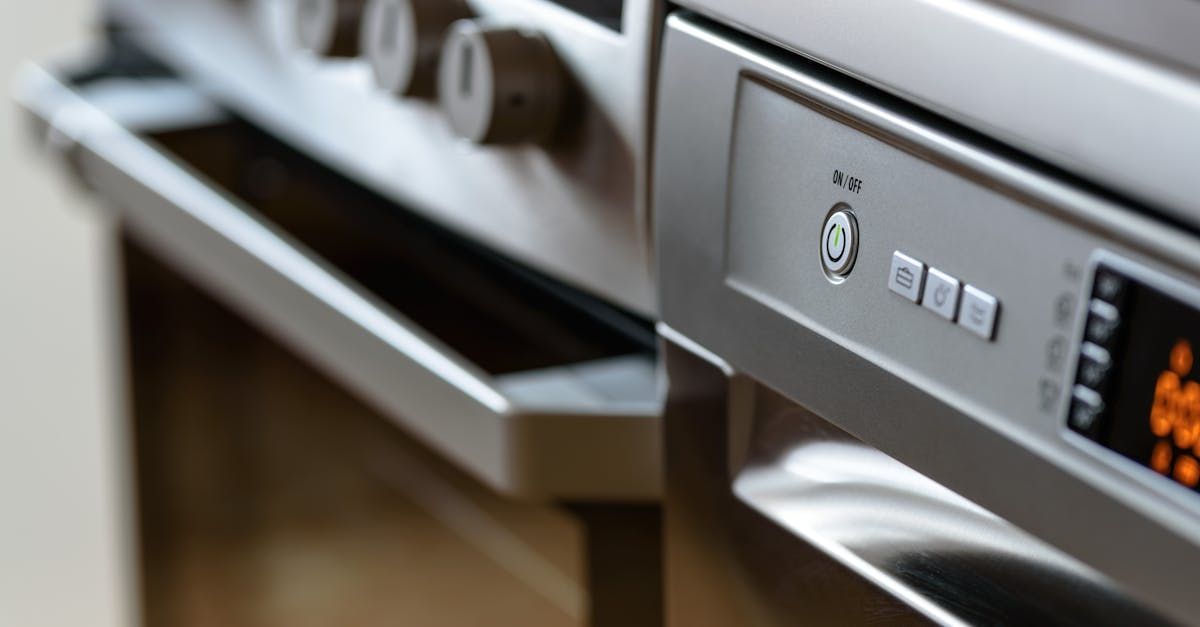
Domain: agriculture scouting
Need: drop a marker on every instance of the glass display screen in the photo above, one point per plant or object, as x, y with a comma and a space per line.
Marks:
1154, 408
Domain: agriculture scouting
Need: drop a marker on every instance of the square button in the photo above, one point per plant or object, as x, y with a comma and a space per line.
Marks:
1109, 286
1095, 365
978, 312
1103, 322
941, 294
906, 277
1087, 411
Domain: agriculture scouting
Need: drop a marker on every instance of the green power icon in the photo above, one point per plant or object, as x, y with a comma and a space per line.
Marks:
839, 243
834, 243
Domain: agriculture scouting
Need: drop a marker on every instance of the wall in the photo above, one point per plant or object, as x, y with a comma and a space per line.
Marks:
63, 558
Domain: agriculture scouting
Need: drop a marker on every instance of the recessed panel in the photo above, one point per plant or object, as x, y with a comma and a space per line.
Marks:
1137, 384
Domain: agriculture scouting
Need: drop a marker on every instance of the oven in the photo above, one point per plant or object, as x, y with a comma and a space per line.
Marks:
915, 374
633, 312
342, 408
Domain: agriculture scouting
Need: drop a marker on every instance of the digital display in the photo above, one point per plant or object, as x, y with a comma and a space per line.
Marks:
1153, 397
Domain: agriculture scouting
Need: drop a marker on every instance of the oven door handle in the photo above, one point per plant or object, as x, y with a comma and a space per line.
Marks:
538, 435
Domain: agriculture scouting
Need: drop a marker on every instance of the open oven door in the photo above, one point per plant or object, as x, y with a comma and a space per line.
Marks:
532, 408
537, 398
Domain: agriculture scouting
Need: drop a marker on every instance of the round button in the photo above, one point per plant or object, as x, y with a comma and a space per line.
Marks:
500, 85
839, 243
403, 41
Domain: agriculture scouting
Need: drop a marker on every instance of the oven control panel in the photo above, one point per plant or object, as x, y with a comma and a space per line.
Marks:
522, 124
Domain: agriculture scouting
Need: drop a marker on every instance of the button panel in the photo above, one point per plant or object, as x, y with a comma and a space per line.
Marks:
974, 309
1098, 353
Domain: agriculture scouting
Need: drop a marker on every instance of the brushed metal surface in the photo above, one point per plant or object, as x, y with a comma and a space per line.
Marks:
776, 517
743, 181
576, 209
540, 435
1162, 28
1099, 110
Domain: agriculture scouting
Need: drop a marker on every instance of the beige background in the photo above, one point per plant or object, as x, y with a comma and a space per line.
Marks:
62, 556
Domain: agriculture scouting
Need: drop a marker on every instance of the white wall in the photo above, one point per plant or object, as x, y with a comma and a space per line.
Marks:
62, 549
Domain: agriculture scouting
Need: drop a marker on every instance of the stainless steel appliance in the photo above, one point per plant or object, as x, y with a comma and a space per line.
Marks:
474, 270
887, 331
922, 277
572, 204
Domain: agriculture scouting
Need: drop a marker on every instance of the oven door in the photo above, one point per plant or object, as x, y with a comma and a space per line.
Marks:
774, 516
504, 373
524, 472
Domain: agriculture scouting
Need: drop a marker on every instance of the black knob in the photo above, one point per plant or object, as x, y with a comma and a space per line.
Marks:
500, 85
329, 28
403, 41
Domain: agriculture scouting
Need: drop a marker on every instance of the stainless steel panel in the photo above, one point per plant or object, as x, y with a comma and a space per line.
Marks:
574, 209
743, 182
776, 517
1162, 28
581, 431
1100, 111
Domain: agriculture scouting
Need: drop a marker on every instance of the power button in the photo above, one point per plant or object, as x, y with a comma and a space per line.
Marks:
839, 243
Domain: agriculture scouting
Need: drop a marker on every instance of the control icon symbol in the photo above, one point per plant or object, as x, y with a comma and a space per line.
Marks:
835, 242
978, 313
1064, 309
1048, 392
1056, 352
941, 294
906, 276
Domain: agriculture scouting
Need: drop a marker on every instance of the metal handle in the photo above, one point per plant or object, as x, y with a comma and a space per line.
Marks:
562, 433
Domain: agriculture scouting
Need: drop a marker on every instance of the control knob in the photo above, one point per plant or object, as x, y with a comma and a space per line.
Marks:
500, 85
403, 40
329, 28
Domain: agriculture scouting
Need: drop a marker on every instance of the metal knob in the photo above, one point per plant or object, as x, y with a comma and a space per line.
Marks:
403, 41
329, 28
500, 85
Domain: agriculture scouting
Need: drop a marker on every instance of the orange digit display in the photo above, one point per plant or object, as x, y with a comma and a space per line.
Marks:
1181, 358
1137, 382
1187, 471
1160, 459
1175, 418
